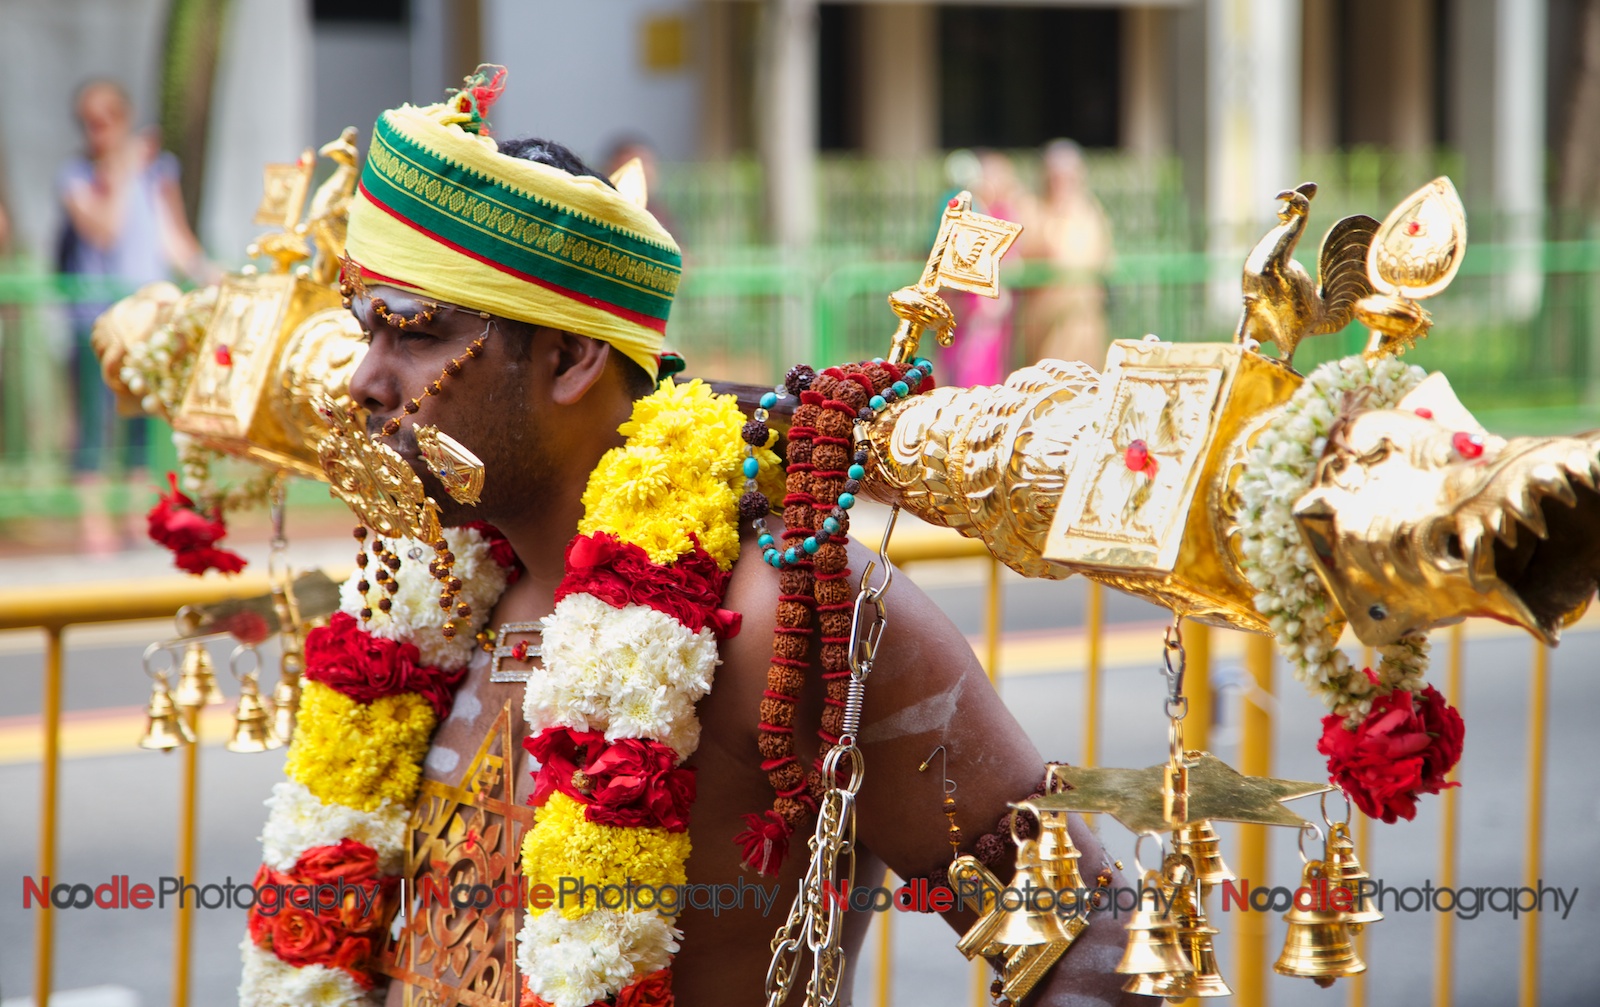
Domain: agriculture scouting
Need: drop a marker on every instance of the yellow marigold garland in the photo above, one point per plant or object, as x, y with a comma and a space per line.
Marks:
678, 474
356, 754
562, 844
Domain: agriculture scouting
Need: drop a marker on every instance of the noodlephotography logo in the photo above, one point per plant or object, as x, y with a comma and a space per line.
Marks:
1466, 902
921, 896
121, 892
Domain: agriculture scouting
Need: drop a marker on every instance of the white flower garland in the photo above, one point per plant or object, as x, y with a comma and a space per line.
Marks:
268, 981
574, 963
1278, 470
415, 606
297, 821
157, 369
632, 672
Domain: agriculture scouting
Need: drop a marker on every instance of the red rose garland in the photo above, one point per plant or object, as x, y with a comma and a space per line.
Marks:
337, 935
352, 661
1404, 748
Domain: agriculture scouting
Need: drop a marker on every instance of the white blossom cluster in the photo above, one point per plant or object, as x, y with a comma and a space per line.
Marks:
415, 606
574, 963
298, 821
195, 463
157, 369
632, 672
1278, 470
269, 981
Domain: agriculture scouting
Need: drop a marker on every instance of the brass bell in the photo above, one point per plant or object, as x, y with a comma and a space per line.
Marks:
252, 723
1346, 871
1058, 857
1318, 945
1194, 936
1153, 949
1021, 927
164, 727
1194, 940
197, 679
286, 696
1200, 843
252, 727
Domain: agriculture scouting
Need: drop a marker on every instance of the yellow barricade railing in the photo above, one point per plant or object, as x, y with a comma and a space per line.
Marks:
54, 609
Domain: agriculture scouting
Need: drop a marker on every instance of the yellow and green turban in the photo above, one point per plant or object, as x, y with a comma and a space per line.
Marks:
442, 212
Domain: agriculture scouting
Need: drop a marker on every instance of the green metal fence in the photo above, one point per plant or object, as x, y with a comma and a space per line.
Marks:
1516, 332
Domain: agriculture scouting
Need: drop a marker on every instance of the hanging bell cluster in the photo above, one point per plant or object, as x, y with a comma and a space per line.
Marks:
1169, 952
259, 725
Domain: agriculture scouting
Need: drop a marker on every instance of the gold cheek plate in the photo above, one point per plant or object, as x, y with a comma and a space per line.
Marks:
373, 480
458, 469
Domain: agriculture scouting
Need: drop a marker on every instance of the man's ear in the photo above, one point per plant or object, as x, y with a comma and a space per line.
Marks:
577, 362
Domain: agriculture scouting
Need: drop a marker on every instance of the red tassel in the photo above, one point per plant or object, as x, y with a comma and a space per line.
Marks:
765, 841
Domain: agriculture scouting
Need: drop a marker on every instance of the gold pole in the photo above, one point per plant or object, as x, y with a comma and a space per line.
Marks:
1444, 948
1092, 617
884, 920
1255, 759
991, 664
45, 929
1361, 834
1538, 711
183, 916
1197, 686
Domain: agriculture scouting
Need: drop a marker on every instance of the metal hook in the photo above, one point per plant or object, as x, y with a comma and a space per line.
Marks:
877, 591
238, 652
1347, 809
150, 653
1314, 829
1177, 704
944, 767
1138, 862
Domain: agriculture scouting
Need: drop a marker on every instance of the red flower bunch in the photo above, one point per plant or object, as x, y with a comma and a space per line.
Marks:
313, 929
1405, 747
177, 523
499, 549
352, 661
653, 990
631, 782
620, 573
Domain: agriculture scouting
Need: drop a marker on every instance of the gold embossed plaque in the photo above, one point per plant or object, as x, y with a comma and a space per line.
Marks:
1136, 512
231, 402
466, 833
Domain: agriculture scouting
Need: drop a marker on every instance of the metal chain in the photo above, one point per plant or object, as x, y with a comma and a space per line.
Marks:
815, 917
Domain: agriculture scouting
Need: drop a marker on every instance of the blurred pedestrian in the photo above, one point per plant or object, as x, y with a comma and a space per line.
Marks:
1067, 317
981, 352
123, 226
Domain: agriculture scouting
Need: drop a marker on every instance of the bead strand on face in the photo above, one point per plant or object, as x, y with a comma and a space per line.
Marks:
451, 369
363, 585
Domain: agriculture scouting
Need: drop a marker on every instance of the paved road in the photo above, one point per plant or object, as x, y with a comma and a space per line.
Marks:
118, 812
